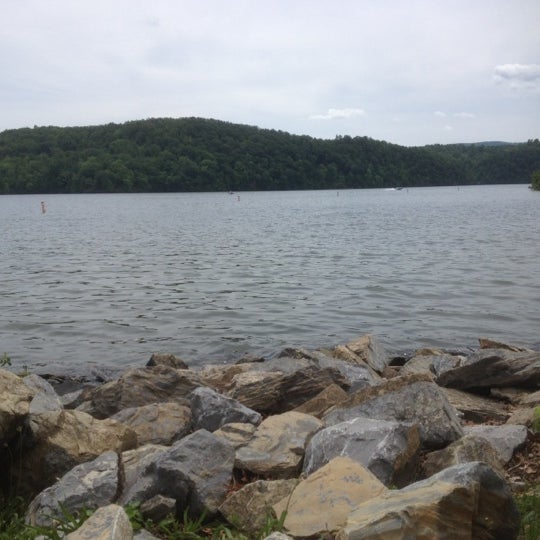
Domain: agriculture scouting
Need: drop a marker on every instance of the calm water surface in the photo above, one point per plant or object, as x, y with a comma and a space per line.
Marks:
109, 279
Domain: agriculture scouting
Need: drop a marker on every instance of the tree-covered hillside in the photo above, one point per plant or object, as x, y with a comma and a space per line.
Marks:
193, 154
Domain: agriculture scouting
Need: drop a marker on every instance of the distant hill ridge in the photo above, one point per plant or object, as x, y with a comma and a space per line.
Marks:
196, 154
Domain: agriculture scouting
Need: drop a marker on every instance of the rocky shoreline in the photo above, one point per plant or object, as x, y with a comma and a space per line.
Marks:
346, 443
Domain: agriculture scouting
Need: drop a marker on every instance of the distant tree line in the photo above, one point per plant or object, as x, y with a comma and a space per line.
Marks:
194, 154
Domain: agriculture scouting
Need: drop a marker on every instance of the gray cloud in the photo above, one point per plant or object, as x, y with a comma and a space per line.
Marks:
281, 65
518, 75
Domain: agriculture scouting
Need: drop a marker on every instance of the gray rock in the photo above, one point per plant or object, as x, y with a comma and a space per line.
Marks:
211, 410
158, 508
138, 467
89, 485
139, 387
278, 536
143, 534
45, 398
107, 523
464, 501
445, 362
388, 449
506, 439
277, 446
494, 367
413, 399
157, 423
196, 471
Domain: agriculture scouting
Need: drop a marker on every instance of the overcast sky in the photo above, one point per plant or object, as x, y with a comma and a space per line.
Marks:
411, 72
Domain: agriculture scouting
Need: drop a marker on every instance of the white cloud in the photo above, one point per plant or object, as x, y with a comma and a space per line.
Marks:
520, 76
464, 115
440, 114
340, 114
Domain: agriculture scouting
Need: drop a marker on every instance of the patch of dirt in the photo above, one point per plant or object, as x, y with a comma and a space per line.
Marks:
524, 467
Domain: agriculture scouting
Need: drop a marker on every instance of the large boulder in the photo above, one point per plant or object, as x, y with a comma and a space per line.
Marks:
157, 423
212, 410
494, 367
195, 471
412, 399
321, 503
14, 405
138, 387
465, 501
89, 485
277, 447
388, 449
62, 439
250, 507
107, 523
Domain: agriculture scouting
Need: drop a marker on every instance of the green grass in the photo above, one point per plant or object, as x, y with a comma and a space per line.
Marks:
13, 527
529, 509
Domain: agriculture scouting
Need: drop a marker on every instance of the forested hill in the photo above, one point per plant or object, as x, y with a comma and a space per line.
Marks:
193, 154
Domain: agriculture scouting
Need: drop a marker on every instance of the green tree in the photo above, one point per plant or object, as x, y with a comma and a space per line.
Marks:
535, 180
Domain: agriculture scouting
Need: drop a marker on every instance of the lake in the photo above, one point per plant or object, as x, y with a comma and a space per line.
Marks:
105, 280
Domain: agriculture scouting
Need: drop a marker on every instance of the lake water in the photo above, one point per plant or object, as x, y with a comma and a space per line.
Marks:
101, 280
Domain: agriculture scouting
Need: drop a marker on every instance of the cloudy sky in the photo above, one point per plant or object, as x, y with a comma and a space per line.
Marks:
411, 72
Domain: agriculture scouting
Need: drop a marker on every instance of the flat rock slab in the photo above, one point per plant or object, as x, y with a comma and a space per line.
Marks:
277, 447
476, 408
495, 367
466, 501
321, 503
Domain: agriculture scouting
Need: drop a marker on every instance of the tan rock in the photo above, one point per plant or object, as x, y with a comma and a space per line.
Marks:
64, 439
317, 406
487, 343
322, 502
237, 434
157, 423
250, 507
369, 350
278, 445
468, 501
14, 404
107, 523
